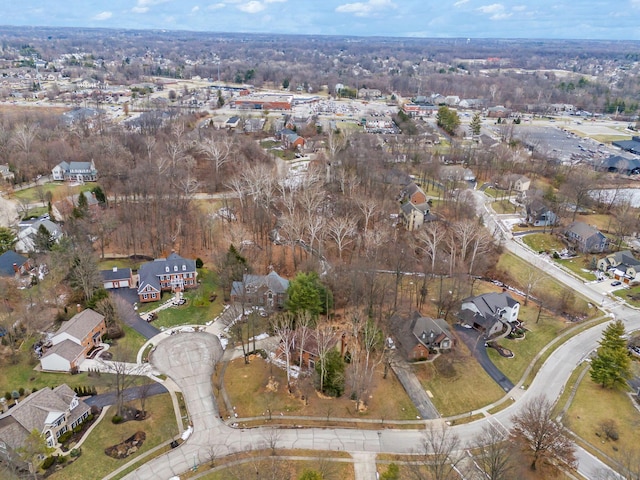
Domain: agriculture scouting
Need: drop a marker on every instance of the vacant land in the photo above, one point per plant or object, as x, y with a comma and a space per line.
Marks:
285, 469
260, 387
93, 463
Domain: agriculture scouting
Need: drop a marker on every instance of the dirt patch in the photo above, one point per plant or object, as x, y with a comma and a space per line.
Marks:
128, 447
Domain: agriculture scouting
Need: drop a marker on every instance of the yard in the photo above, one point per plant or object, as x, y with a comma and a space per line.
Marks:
457, 382
126, 348
543, 242
580, 265
253, 394
94, 464
594, 405
287, 469
58, 192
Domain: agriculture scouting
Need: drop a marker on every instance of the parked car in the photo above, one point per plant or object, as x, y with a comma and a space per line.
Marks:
616, 283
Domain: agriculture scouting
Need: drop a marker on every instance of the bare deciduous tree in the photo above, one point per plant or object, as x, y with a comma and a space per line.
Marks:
438, 457
493, 454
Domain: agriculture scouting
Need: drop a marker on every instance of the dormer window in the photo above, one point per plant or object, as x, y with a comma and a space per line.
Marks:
166, 269
184, 268
175, 268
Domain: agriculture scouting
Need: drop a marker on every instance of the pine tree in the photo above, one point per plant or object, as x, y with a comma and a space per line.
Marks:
475, 124
611, 367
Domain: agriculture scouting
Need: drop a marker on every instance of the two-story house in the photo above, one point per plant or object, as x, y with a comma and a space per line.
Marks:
414, 207
50, 412
269, 291
491, 313
417, 336
539, 215
73, 341
622, 266
171, 274
75, 172
586, 238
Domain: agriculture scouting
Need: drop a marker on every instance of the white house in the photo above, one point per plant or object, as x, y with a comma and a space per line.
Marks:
75, 172
29, 231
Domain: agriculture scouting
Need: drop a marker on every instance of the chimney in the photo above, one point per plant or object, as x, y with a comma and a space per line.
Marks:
15, 268
78, 307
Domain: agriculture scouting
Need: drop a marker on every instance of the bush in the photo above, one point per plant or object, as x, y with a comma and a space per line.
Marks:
75, 452
48, 462
7, 396
65, 436
199, 263
62, 459
21, 391
77, 429
116, 419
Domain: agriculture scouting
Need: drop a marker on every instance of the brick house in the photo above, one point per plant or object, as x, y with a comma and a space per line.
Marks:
51, 412
414, 207
417, 336
171, 274
73, 341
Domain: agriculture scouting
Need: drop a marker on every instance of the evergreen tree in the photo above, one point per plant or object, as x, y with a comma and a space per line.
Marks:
7, 239
476, 124
611, 367
307, 294
333, 381
448, 120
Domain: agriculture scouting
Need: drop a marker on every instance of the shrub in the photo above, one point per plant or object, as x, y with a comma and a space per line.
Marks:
75, 452
21, 391
77, 429
199, 263
7, 396
48, 462
65, 436
62, 459
116, 419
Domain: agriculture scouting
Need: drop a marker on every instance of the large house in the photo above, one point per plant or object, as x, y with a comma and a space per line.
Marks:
491, 313
75, 172
50, 412
539, 215
417, 336
171, 274
269, 291
414, 207
73, 341
622, 266
586, 238
29, 231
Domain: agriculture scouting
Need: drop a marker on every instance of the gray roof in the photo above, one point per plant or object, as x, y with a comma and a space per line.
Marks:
7, 259
66, 349
150, 272
272, 281
491, 303
583, 230
416, 329
81, 324
116, 274
623, 257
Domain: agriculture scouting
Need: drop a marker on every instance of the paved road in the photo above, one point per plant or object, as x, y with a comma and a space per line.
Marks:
475, 343
124, 299
414, 390
129, 394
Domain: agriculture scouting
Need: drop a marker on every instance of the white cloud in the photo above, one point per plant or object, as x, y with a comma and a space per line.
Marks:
140, 9
364, 9
148, 3
195, 9
459, 3
635, 3
493, 8
252, 7
103, 16
275, 1
519, 8
216, 6
500, 16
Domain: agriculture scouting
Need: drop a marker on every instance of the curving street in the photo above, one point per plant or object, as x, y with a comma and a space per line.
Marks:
189, 358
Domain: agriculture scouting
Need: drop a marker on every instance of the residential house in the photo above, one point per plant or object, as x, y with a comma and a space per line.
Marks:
539, 215
418, 336
368, 93
269, 291
290, 139
6, 173
252, 125
304, 348
586, 238
171, 274
13, 264
515, 182
456, 173
29, 230
232, 122
117, 278
50, 411
75, 172
73, 341
415, 209
498, 112
491, 313
621, 265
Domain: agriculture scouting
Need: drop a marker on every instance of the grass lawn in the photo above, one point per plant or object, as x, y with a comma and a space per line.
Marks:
630, 295
126, 348
58, 191
592, 405
492, 192
537, 336
109, 263
457, 382
543, 242
247, 389
287, 469
197, 311
598, 220
578, 265
505, 206
94, 464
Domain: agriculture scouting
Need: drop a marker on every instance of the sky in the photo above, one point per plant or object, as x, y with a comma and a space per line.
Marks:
548, 19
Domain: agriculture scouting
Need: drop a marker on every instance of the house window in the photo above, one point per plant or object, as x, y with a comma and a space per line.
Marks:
166, 269
184, 268
145, 296
175, 268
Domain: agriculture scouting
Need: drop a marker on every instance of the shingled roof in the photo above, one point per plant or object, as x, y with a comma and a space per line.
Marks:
81, 324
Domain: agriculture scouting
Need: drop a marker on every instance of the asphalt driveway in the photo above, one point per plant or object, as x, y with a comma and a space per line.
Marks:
124, 299
474, 341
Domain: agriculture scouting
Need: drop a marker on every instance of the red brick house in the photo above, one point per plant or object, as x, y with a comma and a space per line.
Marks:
171, 274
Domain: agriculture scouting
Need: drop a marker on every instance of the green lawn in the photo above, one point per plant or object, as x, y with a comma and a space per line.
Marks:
457, 382
94, 464
197, 311
504, 206
58, 191
286, 469
126, 348
539, 242
578, 265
